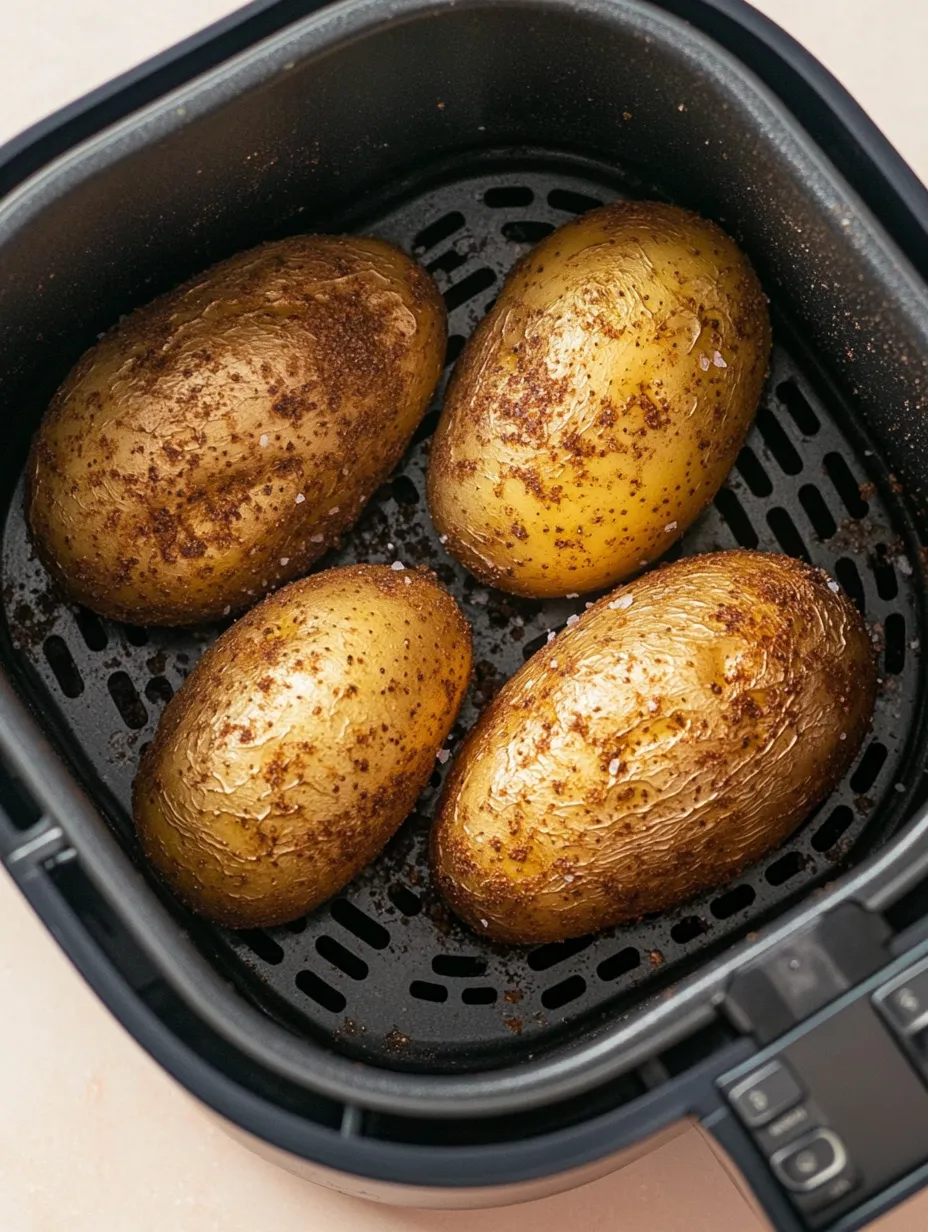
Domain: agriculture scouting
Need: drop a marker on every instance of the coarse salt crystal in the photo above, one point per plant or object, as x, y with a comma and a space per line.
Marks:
263, 440
905, 565
316, 538
397, 566
442, 538
833, 586
717, 360
915, 644
334, 509
300, 498
571, 621
653, 704
554, 662
389, 547
574, 594
843, 736
551, 636
485, 923
285, 560
704, 362
900, 787
670, 526
614, 767
587, 606
568, 877
643, 563
623, 602
408, 580
442, 755
226, 610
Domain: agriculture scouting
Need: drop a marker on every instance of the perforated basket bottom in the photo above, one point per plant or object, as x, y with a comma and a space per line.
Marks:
383, 971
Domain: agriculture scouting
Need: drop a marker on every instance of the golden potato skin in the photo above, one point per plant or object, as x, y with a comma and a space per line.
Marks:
599, 406
215, 443
300, 742
654, 749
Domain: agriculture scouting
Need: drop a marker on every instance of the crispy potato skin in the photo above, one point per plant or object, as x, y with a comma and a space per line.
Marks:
300, 742
589, 421
654, 750
165, 481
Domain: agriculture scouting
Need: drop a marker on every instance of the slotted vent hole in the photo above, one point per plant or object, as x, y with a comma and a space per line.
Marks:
459, 966
739, 898
359, 923
833, 828
135, 635
405, 900
63, 667
315, 987
264, 946
787, 536
455, 347
422, 990
894, 635
447, 263
563, 993
779, 444
471, 285
159, 690
780, 871
125, 695
438, 230
817, 511
547, 956
508, 197
533, 645
296, 926
334, 952
845, 485
571, 202
753, 473
526, 232
869, 768
737, 521
404, 490
688, 929
483, 995
847, 574
91, 629
886, 585
619, 964
792, 397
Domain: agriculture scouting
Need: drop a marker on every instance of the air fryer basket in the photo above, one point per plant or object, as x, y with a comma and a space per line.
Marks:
384, 972
464, 132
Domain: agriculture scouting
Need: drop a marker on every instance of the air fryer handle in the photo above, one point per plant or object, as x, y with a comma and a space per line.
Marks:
828, 1121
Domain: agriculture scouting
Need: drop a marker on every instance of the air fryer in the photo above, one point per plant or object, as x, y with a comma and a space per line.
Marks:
377, 1045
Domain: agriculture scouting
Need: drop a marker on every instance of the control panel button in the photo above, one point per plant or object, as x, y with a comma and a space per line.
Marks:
765, 1094
906, 1005
810, 1162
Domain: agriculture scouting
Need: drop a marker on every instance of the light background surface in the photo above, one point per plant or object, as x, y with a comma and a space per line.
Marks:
94, 1137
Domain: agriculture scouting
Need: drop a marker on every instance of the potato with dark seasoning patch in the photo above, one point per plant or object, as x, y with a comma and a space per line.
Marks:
599, 406
300, 742
684, 726
216, 442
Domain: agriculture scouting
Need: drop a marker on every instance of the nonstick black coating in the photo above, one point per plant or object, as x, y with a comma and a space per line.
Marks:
384, 972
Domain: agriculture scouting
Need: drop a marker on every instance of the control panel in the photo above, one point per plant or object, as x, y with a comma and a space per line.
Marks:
837, 1105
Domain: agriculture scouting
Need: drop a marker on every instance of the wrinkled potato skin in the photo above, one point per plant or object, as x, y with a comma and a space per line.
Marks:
150, 497
300, 743
587, 425
718, 699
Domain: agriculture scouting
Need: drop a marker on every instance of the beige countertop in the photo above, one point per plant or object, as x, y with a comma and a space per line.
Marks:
94, 1137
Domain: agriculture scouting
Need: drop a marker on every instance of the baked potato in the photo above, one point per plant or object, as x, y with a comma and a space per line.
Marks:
599, 406
300, 742
683, 727
216, 442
